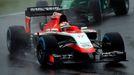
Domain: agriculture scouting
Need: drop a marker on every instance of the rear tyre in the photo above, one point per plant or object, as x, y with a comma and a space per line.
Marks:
41, 3
121, 7
17, 39
46, 46
114, 42
95, 9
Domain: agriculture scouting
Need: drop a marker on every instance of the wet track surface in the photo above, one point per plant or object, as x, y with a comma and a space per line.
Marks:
27, 64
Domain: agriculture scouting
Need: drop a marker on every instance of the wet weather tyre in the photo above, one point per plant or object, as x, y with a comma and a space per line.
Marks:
120, 7
41, 3
46, 46
112, 41
16, 38
95, 9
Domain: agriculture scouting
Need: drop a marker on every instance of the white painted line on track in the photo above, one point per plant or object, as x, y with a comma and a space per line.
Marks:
12, 14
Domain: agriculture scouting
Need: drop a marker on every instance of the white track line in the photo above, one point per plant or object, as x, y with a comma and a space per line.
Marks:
12, 14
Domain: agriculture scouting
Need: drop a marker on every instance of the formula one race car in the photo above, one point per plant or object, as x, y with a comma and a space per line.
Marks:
90, 10
59, 42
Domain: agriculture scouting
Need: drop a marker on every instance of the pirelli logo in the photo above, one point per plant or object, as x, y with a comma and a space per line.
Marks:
44, 9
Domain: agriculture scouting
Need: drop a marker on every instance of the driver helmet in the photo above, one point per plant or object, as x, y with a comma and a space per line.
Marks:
64, 25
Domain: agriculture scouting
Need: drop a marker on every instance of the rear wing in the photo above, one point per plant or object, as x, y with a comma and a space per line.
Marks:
42, 11
39, 11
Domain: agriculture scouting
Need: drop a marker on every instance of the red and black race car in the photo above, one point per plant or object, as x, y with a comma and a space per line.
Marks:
59, 42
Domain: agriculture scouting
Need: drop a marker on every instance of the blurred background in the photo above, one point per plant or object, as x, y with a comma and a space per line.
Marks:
28, 65
13, 6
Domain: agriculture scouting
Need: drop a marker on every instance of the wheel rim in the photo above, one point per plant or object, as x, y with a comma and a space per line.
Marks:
40, 54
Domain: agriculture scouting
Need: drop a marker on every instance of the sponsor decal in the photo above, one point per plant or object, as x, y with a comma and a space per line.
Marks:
85, 44
44, 9
81, 36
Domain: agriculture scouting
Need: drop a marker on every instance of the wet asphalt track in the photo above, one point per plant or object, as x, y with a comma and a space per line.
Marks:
28, 65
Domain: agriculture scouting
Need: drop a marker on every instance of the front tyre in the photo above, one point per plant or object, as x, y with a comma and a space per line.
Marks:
47, 45
113, 42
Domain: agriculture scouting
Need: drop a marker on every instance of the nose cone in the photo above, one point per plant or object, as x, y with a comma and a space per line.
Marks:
83, 50
86, 50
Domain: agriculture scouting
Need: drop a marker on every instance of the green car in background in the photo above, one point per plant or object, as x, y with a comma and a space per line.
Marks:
91, 10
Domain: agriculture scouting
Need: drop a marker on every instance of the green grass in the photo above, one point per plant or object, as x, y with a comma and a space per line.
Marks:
12, 6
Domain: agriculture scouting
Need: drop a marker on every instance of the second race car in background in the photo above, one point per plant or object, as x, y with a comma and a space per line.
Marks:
89, 10
60, 42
